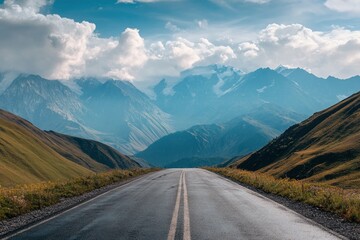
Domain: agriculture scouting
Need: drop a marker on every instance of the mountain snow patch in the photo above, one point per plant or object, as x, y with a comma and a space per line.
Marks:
341, 97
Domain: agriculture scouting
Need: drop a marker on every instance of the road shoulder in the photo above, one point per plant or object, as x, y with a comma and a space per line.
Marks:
326, 219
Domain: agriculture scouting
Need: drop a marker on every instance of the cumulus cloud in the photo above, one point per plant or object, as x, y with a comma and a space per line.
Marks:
351, 6
34, 43
248, 49
60, 48
119, 58
171, 57
336, 52
27, 5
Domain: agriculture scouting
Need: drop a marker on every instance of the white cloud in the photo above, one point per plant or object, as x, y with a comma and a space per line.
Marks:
202, 23
60, 48
249, 49
27, 5
171, 57
34, 43
258, 1
117, 59
228, 3
141, 1
350, 6
334, 53
172, 27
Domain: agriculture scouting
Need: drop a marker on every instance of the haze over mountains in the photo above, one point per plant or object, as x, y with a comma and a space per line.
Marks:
28, 154
211, 144
114, 112
220, 98
325, 148
216, 93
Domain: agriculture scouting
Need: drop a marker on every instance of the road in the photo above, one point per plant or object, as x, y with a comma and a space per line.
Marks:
178, 204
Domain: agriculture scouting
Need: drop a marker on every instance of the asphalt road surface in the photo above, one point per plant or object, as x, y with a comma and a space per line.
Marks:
178, 204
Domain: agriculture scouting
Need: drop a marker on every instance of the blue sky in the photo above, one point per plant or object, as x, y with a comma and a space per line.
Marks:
146, 40
151, 18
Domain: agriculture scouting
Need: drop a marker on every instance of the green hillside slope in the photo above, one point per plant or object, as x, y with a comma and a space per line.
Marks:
29, 155
325, 148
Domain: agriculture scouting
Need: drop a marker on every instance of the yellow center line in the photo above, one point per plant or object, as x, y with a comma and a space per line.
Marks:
187, 235
173, 225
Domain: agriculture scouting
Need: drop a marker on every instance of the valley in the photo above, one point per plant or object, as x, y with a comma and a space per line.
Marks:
201, 102
180, 119
211, 116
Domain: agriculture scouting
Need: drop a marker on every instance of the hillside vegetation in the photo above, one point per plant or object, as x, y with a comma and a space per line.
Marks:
21, 199
29, 155
324, 148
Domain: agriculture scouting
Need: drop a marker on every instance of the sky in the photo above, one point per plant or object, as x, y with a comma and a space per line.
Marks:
145, 40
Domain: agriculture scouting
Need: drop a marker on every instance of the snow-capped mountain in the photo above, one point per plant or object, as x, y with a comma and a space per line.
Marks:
113, 112
48, 104
125, 116
217, 93
118, 114
196, 97
326, 91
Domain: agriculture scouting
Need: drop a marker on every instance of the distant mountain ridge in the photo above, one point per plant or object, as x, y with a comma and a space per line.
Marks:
28, 154
113, 112
325, 147
118, 114
216, 94
206, 144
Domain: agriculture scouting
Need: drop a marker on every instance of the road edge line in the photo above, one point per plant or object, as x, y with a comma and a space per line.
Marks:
279, 204
75, 206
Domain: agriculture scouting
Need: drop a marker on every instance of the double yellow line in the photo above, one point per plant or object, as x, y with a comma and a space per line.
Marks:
174, 220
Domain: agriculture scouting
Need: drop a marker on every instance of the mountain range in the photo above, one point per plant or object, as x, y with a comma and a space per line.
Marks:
28, 154
118, 114
213, 143
113, 112
325, 148
216, 93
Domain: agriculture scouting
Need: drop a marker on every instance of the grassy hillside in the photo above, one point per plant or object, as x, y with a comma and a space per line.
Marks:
25, 158
325, 148
90, 154
29, 155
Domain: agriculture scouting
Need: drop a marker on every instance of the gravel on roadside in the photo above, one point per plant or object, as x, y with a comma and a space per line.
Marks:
329, 220
10, 226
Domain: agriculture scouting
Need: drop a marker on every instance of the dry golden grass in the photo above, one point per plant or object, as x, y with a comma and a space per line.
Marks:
324, 148
21, 199
30, 155
24, 158
345, 203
